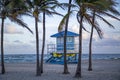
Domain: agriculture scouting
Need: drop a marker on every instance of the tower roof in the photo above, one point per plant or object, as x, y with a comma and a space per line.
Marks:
61, 34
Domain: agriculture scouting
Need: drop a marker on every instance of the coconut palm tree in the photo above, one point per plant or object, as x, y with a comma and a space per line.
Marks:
35, 7
83, 15
78, 70
64, 24
12, 12
97, 6
80, 16
90, 46
65, 38
48, 9
36, 14
43, 42
44, 7
103, 6
80, 31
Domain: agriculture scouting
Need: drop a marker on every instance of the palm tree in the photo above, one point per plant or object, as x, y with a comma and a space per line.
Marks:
90, 46
65, 22
12, 12
49, 9
2, 47
36, 13
97, 7
78, 70
43, 44
45, 7
104, 7
82, 15
35, 6
65, 38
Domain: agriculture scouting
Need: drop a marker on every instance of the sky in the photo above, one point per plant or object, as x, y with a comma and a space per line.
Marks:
18, 40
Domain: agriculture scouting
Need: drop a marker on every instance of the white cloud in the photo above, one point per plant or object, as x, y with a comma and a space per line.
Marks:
26, 44
17, 42
109, 44
11, 29
19, 48
86, 35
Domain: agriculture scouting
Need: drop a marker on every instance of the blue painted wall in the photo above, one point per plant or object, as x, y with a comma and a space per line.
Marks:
60, 43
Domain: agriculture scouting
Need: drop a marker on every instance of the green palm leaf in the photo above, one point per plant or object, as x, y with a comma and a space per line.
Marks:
105, 21
63, 21
20, 22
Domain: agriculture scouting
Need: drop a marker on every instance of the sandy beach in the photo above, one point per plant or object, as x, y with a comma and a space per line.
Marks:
102, 70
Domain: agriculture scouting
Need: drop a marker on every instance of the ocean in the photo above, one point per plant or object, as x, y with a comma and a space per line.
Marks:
17, 58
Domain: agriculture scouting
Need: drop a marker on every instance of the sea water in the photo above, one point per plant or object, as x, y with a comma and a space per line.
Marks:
15, 58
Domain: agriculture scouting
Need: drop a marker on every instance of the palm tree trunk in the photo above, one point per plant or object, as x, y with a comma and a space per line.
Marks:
65, 38
43, 44
2, 47
90, 45
38, 73
78, 70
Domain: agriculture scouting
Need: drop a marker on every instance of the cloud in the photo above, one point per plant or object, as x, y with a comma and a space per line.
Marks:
19, 49
33, 42
17, 41
11, 29
85, 35
108, 42
112, 35
109, 46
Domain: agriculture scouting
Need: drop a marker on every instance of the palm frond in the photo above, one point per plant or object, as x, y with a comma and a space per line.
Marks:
99, 31
21, 13
85, 28
113, 11
105, 21
78, 19
20, 22
63, 21
50, 13
30, 3
112, 16
101, 4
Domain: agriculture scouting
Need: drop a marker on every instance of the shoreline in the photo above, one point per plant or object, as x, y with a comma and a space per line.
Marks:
18, 58
84, 60
102, 70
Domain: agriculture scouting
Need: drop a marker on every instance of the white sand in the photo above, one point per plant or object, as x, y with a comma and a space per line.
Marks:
102, 70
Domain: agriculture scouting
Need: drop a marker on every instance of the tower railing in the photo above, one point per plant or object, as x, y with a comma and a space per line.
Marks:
59, 48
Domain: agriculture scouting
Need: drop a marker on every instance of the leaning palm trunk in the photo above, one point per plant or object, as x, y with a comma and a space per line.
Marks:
2, 47
90, 45
78, 70
38, 73
43, 44
65, 38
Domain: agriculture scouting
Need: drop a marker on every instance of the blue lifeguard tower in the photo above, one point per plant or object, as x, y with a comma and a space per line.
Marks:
57, 50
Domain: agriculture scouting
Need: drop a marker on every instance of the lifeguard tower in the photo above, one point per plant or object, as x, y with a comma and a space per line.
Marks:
57, 50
